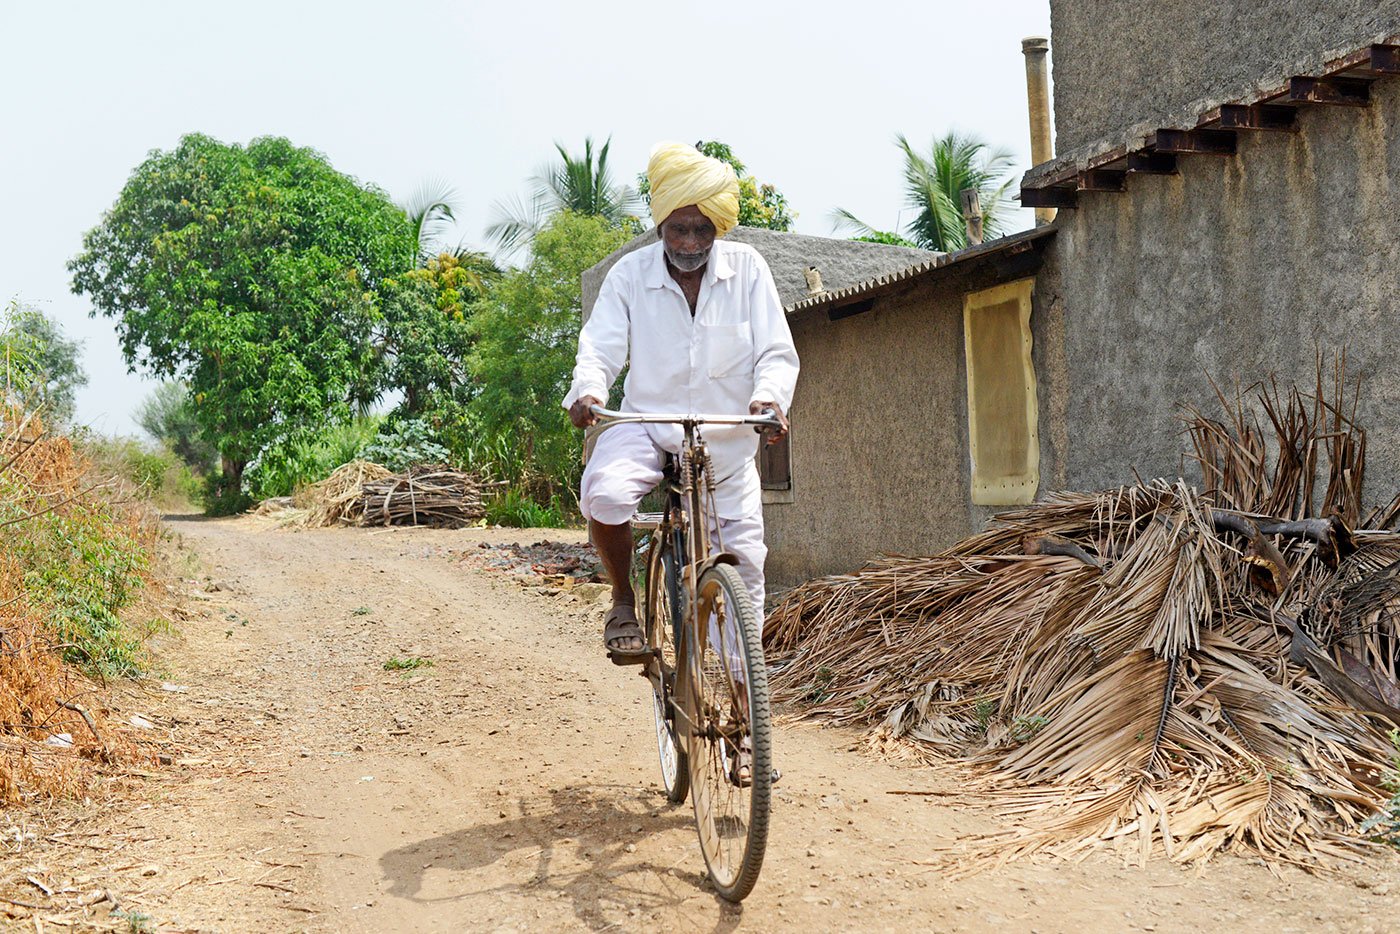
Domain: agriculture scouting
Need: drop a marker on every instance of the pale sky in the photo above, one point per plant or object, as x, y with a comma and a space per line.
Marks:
809, 95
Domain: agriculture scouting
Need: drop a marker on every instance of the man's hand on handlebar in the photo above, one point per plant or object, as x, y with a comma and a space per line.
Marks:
579, 414
772, 435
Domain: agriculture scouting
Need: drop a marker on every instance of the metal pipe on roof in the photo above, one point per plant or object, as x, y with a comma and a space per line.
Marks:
1036, 49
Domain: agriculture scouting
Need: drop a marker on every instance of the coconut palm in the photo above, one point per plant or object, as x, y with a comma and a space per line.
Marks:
582, 185
432, 210
933, 184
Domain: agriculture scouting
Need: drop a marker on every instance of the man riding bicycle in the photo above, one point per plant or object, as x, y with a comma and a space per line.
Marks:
706, 333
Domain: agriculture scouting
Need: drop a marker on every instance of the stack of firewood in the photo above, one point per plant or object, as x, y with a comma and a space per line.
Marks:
425, 495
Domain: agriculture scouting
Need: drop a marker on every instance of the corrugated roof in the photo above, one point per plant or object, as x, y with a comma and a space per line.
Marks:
1013, 242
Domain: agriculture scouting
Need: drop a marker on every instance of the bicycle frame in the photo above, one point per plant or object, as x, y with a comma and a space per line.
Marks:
689, 507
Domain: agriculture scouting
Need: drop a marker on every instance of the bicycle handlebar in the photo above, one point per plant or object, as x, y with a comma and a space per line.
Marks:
611, 417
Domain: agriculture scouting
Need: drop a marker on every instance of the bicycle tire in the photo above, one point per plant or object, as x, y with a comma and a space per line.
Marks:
731, 817
662, 583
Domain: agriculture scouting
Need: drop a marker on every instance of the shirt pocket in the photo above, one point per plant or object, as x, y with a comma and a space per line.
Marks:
728, 350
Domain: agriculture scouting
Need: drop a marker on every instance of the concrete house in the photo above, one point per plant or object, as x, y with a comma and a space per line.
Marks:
1228, 196
1228, 186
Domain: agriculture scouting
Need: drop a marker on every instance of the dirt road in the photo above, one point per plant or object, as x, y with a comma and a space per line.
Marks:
511, 785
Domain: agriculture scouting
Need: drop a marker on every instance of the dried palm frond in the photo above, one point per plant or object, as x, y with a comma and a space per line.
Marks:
1147, 667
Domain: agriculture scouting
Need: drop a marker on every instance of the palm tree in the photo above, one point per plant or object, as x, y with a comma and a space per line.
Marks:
432, 210
582, 185
933, 184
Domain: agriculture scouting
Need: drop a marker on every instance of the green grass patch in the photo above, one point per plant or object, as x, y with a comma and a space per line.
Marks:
407, 663
516, 509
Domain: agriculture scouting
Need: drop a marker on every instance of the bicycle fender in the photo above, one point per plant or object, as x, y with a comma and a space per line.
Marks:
724, 557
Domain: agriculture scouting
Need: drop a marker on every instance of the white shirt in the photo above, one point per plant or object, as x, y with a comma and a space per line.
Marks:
736, 349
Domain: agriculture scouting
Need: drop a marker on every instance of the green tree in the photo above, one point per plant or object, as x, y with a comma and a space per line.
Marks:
578, 185
760, 204
18, 355
933, 186
526, 335
426, 338
41, 365
168, 416
251, 273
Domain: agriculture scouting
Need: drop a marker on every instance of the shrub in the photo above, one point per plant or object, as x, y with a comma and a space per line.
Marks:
401, 444
1384, 827
516, 508
80, 562
282, 470
160, 475
221, 498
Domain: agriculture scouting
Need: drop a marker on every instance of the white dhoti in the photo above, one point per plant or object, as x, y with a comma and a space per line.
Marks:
626, 465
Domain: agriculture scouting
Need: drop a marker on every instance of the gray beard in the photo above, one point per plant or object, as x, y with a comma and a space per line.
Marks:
688, 262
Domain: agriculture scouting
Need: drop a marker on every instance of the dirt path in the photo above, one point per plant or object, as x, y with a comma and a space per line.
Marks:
511, 785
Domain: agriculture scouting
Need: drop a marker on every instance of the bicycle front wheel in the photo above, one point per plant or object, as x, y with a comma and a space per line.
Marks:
729, 738
662, 610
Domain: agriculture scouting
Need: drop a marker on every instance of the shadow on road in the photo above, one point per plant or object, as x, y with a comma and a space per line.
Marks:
596, 823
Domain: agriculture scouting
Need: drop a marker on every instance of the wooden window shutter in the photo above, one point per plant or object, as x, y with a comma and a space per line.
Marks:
1001, 401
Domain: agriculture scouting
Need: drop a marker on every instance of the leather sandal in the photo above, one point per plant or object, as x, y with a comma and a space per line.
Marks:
621, 623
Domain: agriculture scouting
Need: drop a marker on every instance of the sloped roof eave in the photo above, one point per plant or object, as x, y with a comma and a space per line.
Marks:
876, 284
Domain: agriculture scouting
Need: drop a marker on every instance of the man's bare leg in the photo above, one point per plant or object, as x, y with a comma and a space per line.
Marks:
614, 545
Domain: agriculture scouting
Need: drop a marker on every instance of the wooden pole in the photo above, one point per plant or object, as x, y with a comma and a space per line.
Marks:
972, 215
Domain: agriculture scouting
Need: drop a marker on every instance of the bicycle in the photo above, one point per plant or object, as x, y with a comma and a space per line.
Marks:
709, 684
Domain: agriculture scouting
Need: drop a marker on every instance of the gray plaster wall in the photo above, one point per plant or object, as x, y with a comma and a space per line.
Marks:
1124, 68
879, 440
1238, 267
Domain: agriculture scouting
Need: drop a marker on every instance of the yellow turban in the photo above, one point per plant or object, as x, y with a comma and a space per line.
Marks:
682, 175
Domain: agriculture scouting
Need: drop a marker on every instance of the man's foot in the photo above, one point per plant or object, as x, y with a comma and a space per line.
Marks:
622, 636
741, 764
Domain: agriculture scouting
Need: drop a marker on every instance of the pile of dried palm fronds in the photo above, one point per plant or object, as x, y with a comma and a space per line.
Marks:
1153, 666
425, 495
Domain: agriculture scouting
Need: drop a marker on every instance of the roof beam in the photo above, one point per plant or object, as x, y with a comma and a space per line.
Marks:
1347, 92
1152, 163
1203, 142
1258, 117
1384, 60
1049, 198
1103, 180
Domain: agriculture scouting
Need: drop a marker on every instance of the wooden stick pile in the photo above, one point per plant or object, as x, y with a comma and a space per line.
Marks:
1154, 667
425, 495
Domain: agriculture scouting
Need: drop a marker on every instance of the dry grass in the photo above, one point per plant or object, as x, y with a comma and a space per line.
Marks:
43, 699
1153, 668
338, 499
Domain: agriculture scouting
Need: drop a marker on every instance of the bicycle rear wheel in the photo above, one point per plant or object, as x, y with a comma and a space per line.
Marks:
662, 610
726, 700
